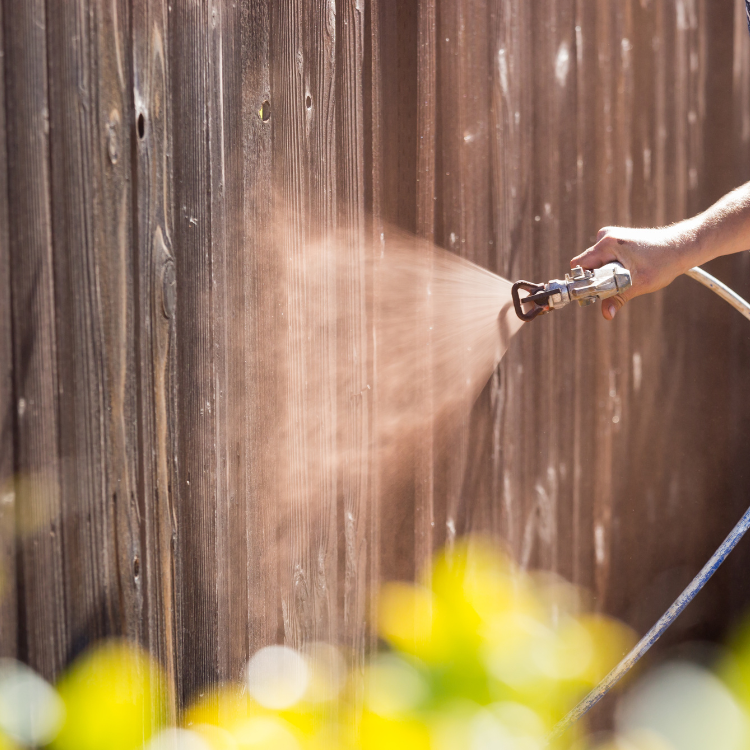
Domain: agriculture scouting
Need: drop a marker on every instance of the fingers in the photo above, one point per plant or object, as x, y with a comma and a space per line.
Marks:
602, 252
595, 256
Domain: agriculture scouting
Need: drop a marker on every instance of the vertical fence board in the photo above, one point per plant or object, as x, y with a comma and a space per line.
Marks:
200, 328
43, 635
321, 129
155, 309
229, 304
739, 148
373, 125
8, 596
512, 153
93, 285
582, 537
113, 236
302, 82
353, 376
261, 280
426, 71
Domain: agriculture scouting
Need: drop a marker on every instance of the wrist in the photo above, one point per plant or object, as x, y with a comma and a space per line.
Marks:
693, 243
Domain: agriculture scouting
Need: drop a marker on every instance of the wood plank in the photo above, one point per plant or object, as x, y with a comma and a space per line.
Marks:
229, 304
112, 145
320, 98
91, 224
424, 521
79, 352
467, 227
602, 500
199, 332
305, 216
512, 185
262, 284
42, 627
373, 125
394, 194
741, 92
585, 233
352, 338
8, 594
155, 324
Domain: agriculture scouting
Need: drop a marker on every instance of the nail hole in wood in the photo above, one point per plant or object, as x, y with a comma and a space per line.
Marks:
265, 111
141, 125
308, 101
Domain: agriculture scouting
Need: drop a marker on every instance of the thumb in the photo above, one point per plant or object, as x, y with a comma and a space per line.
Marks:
612, 305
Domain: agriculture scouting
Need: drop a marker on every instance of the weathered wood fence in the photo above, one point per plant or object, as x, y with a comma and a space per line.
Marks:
144, 146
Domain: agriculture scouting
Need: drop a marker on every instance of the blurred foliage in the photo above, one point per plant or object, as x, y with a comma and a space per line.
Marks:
113, 699
478, 654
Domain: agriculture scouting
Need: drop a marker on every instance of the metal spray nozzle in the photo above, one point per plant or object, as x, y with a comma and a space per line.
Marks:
581, 286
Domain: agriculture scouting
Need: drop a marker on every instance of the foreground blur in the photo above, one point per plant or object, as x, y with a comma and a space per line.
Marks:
484, 656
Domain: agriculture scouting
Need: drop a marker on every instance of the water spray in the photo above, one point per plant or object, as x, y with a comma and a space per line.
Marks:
585, 287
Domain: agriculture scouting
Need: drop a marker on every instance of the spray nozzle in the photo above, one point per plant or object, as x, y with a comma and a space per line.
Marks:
582, 286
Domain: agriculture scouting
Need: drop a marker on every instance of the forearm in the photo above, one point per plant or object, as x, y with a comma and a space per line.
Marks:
722, 229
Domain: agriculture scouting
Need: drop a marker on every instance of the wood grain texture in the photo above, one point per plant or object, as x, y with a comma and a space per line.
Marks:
93, 312
155, 295
8, 594
261, 285
200, 329
115, 262
373, 110
229, 294
354, 393
42, 626
424, 510
511, 149
305, 158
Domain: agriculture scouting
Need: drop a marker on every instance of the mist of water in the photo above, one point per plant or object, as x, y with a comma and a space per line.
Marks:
380, 354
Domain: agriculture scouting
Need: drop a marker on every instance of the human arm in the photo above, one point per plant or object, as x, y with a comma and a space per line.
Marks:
655, 257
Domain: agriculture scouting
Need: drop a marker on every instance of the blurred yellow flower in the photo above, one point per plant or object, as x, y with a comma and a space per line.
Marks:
113, 699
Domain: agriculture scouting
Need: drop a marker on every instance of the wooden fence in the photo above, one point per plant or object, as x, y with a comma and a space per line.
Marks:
144, 279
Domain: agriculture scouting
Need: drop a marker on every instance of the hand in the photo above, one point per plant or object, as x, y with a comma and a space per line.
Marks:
654, 257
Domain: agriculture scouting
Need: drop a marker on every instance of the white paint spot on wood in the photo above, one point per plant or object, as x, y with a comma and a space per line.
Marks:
21, 406
625, 47
450, 526
502, 69
562, 64
599, 543
637, 371
687, 17
614, 398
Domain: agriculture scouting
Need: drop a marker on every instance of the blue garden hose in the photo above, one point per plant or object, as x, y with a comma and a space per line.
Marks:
696, 584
